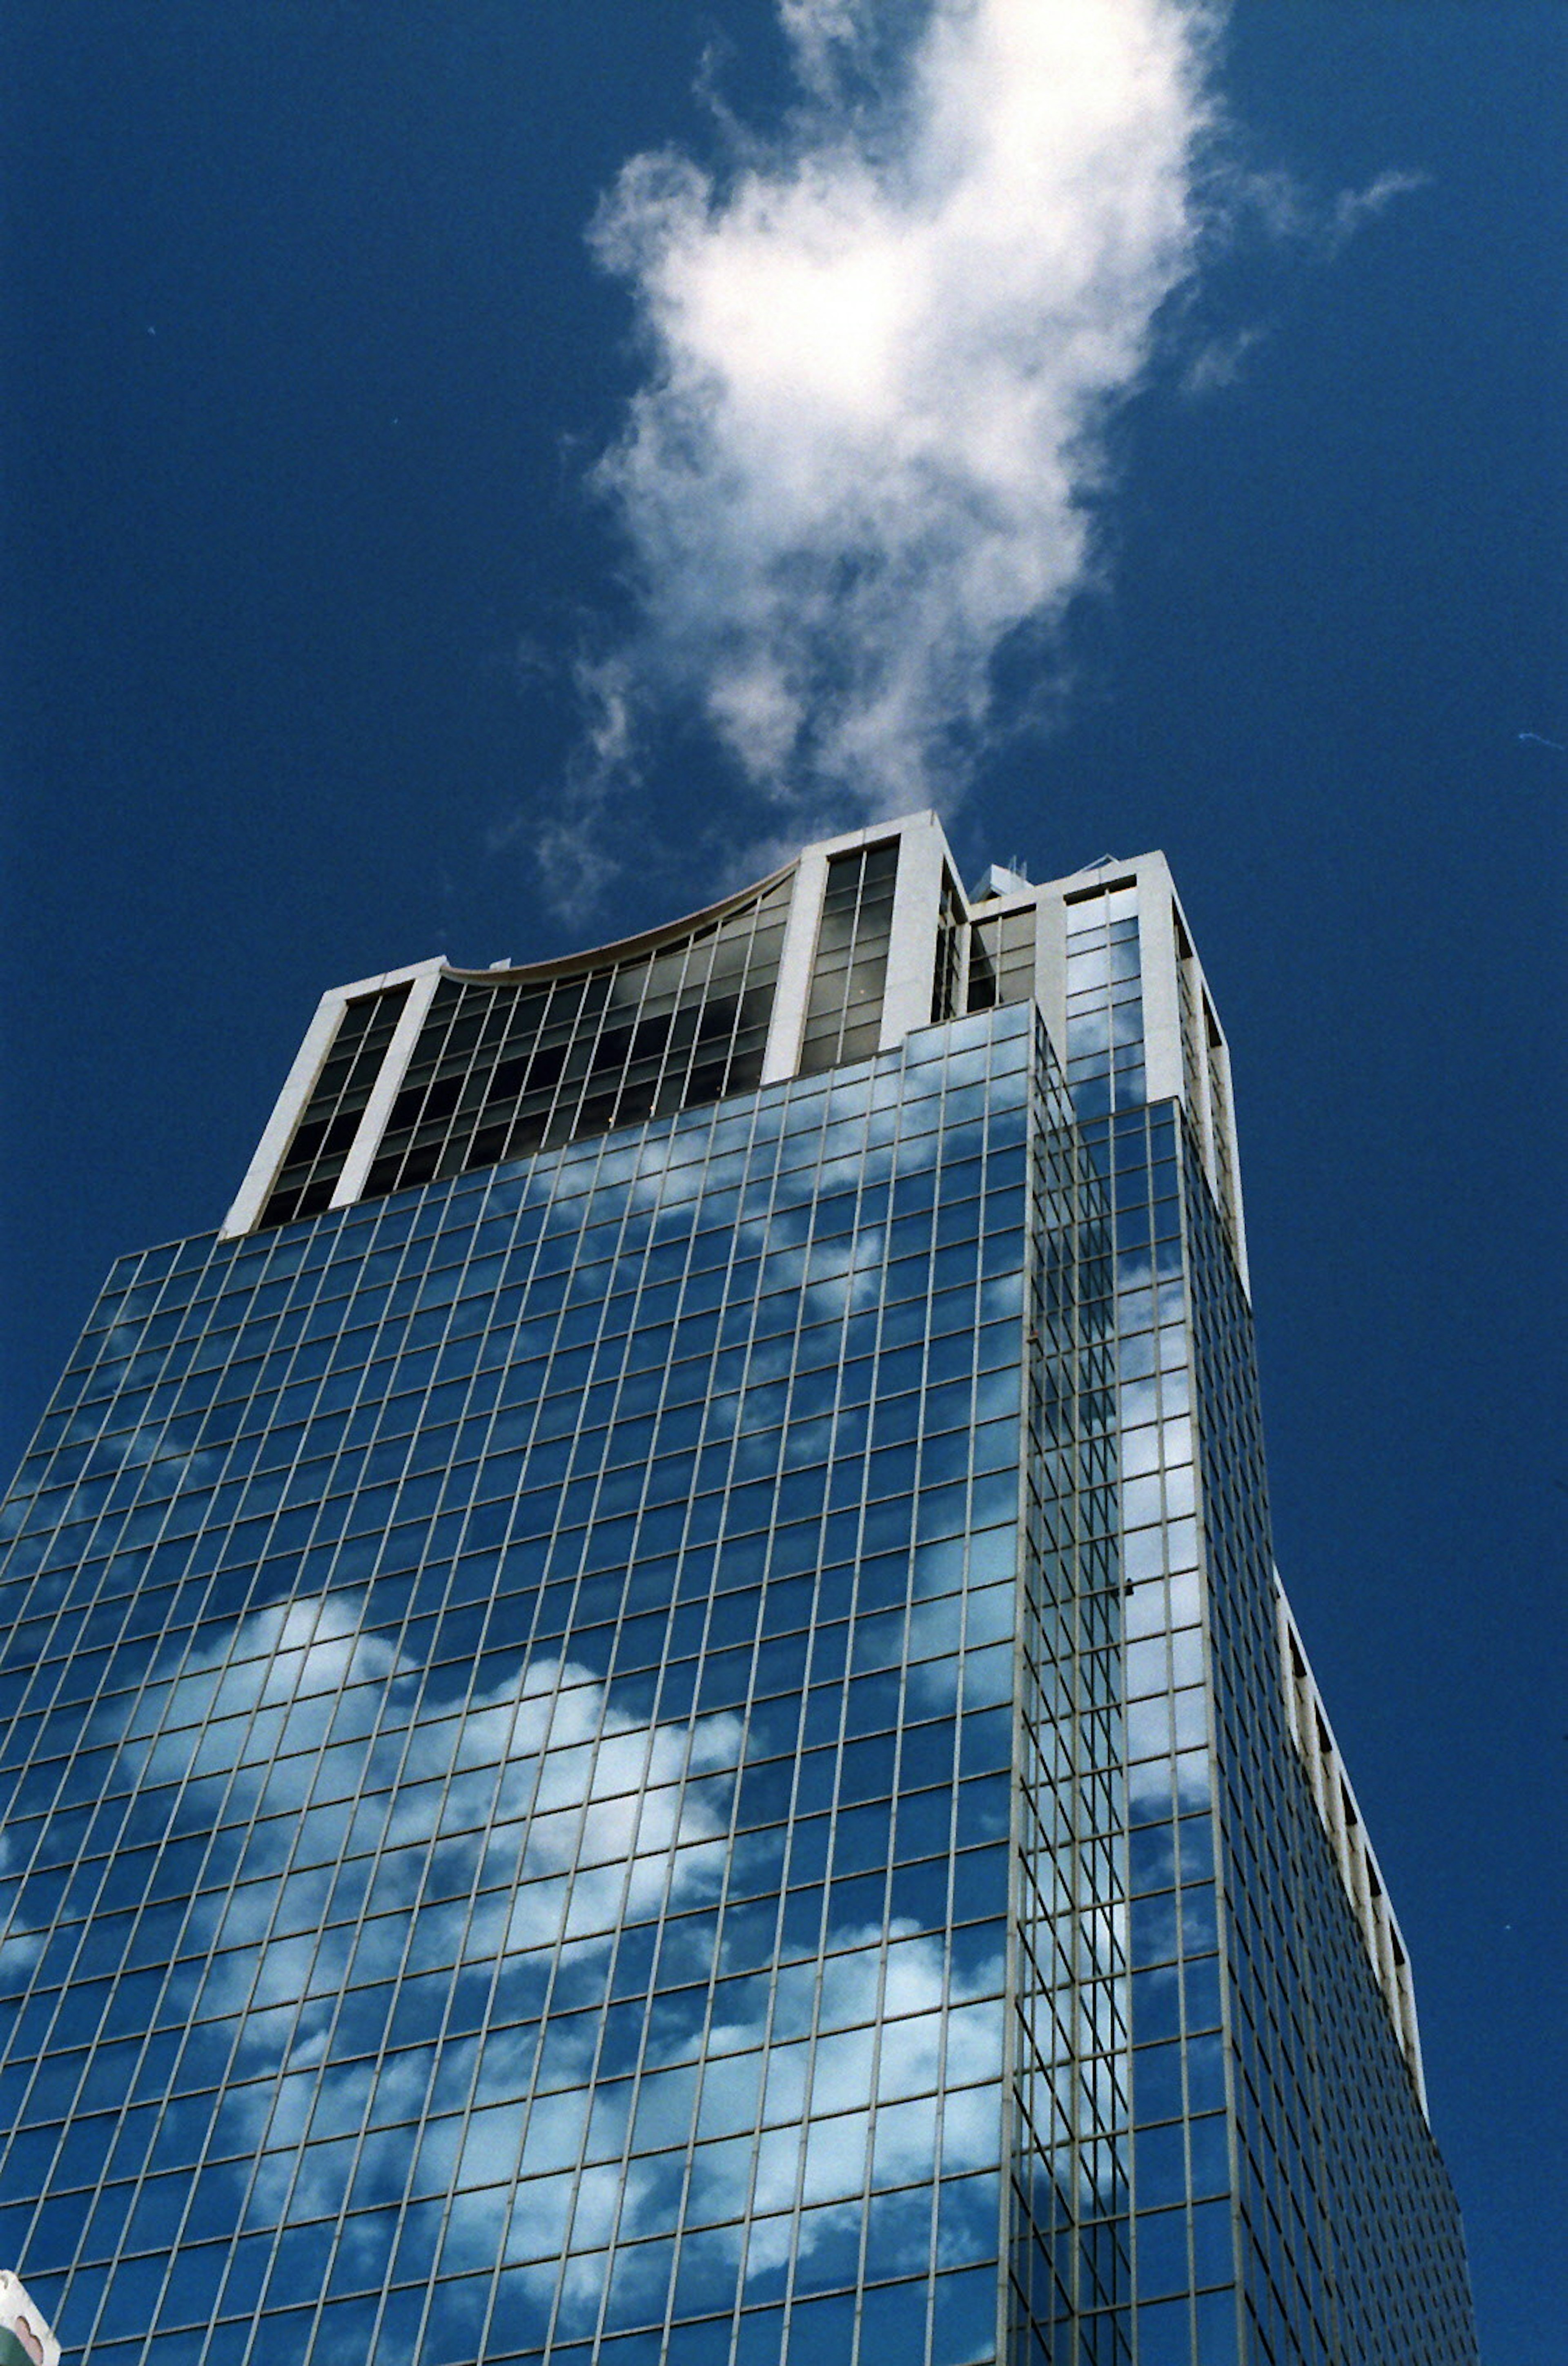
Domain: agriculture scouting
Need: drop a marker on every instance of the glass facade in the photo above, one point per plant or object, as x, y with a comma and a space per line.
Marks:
1347, 2227
669, 1750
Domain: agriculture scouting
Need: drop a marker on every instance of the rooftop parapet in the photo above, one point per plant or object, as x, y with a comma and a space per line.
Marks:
423, 1073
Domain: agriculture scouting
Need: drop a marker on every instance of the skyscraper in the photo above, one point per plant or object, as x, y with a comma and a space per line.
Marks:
648, 1716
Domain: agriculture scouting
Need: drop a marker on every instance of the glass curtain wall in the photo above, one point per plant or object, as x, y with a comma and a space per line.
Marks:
1181, 2292
675, 1749
510, 1756
1350, 2243
1268, 2222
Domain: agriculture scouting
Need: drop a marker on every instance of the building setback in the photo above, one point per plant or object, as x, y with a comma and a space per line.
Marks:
648, 1716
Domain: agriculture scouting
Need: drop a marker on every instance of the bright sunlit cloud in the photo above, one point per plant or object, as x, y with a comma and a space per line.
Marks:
881, 362
867, 469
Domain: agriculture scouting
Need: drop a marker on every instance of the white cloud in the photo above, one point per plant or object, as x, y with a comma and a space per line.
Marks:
883, 352
881, 362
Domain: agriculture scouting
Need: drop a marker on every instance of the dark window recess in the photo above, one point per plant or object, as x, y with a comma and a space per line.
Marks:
983, 964
1001, 959
949, 954
504, 1068
314, 1159
843, 1014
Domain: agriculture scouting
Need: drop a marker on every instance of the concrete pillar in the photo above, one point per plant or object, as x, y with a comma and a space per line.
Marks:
911, 953
781, 1057
1163, 1070
387, 1085
311, 1057
278, 1132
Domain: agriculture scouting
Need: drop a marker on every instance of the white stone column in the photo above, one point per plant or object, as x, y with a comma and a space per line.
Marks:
911, 951
781, 1057
1051, 969
1163, 1071
309, 1062
310, 1059
387, 1085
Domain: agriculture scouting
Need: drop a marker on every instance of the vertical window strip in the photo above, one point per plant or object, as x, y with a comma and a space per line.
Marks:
315, 1157
843, 1013
1105, 1046
1191, 1064
1001, 959
1015, 979
946, 984
1219, 1102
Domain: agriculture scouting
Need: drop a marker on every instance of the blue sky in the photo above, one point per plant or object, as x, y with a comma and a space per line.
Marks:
315, 599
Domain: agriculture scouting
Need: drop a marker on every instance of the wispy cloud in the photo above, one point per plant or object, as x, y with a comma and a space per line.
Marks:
881, 360
1283, 211
1220, 362
1287, 212
575, 863
1355, 207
